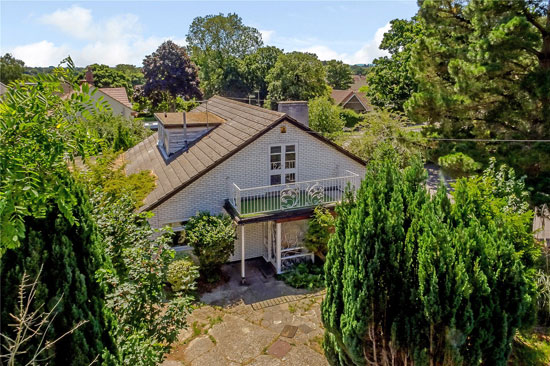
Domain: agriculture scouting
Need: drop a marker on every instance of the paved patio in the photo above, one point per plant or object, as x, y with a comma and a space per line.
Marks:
264, 323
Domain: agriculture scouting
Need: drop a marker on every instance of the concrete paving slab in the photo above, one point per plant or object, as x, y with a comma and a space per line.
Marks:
279, 349
197, 347
304, 356
265, 360
305, 328
240, 340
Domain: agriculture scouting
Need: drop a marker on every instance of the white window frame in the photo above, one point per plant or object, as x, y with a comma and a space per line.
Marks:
283, 171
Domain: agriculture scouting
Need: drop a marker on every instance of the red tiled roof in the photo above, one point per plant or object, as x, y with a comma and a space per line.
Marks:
118, 94
340, 96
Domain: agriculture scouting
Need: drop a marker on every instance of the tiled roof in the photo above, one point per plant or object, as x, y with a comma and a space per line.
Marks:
244, 123
118, 94
358, 82
340, 95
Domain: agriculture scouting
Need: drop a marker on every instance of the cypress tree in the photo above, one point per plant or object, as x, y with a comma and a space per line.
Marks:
414, 279
69, 254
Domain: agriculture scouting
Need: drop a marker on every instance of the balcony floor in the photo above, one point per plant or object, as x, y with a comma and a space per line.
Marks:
251, 206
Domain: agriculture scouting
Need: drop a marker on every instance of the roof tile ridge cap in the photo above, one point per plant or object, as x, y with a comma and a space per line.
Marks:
249, 105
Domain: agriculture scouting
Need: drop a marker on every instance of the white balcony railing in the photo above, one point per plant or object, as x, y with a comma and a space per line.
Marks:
281, 197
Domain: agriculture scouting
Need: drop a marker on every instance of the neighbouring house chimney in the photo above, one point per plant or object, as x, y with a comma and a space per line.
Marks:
295, 109
89, 76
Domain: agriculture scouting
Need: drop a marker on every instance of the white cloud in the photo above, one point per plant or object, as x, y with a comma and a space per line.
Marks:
368, 52
267, 35
110, 41
42, 53
75, 20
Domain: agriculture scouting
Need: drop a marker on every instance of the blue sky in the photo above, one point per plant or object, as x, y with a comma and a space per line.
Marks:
41, 33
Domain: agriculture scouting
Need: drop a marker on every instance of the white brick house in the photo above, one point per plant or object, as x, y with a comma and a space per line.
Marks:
266, 169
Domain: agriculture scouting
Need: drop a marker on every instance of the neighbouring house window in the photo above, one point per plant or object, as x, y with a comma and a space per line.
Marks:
282, 164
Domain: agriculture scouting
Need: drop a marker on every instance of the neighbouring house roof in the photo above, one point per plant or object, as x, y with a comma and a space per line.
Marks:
193, 118
243, 124
342, 97
358, 82
118, 94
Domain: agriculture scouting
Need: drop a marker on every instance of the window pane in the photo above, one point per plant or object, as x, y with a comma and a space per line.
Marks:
275, 149
275, 160
290, 178
275, 179
290, 148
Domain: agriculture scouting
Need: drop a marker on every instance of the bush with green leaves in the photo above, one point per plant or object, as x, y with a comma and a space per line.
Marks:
305, 275
318, 232
458, 164
324, 117
381, 127
146, 321
115, 132
107, 174
38, 134
213, 240
182, 275
350, 117
414, 278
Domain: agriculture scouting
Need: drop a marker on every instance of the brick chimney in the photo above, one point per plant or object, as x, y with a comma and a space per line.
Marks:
89, 76
295, 109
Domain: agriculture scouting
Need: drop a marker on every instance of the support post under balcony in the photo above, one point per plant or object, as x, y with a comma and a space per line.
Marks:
243, 278
278, 247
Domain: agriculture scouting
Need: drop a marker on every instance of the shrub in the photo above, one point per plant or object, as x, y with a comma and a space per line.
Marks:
324, 117
182, 274
318, 232
458, 164
350, 117
213, 241
305, 275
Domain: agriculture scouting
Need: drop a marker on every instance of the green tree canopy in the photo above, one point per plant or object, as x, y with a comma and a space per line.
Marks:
169, 71
338, 75
39, 134
256, 66
390, 80
11, 69
414, 278
216, 44
297, 76
45, 216
324, 116
483, 71
108, 77
133, 73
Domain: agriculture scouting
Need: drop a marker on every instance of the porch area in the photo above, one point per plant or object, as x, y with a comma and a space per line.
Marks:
273, 220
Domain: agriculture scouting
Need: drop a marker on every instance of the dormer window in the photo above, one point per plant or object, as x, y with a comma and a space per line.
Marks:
282, 164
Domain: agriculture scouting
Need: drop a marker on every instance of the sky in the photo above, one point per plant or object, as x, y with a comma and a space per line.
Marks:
42, 33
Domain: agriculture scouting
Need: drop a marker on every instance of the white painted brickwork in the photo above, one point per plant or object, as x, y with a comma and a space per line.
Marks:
253, 241
250, 168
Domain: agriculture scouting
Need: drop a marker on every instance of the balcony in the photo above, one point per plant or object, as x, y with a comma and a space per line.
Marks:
283, 197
